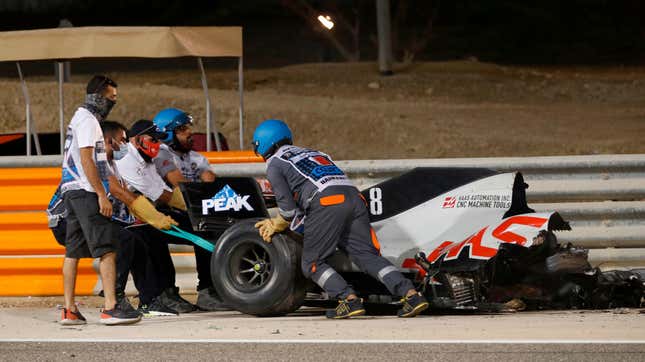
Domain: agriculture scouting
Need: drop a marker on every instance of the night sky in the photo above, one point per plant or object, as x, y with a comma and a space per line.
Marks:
502, 31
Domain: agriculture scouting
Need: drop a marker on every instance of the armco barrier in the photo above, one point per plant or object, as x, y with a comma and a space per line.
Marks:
603, 196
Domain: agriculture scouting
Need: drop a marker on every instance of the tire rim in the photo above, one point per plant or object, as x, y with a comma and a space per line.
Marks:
250, 266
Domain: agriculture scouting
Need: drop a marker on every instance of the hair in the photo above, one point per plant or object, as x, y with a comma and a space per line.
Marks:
110, 128
276, 146
98, 83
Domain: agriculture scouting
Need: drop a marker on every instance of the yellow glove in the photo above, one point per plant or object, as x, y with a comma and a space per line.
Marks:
143, 210
268, 227
177, 200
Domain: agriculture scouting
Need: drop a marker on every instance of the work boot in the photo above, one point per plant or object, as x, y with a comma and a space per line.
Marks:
347, 309
413, 305
209, 300
170, 298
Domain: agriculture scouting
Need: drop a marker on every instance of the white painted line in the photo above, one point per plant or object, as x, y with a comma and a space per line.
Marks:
324, 341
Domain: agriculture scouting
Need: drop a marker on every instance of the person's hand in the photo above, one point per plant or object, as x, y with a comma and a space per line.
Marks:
268, 227
262, 227
143, 210
105, 206
165, 222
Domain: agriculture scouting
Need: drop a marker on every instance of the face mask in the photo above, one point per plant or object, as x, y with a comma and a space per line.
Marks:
149, 148
99, 105
123, 150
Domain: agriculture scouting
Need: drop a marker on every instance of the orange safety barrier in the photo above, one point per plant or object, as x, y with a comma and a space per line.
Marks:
27, 189
26, 233
42, 276
30, 176
30, 258
23, 220
232, 157
26, 198
29, 242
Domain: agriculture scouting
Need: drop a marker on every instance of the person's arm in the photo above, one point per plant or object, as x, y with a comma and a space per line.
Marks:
286, 205
167, 168
174, 177
206, 173
283, 196
118, 191
142, 178
92, 174
165, 197
207, 176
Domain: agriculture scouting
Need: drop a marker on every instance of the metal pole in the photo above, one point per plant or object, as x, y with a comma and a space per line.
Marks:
209, 114
384, 37
27, 110
240, 86
61, 112
67, 69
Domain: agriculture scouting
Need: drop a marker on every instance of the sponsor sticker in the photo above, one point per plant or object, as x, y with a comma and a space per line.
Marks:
226, 199
490, 201
449, 202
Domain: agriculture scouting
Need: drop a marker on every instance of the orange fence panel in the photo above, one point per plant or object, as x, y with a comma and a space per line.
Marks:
26, 198
33, 220
232, 157
29, 242
30, 176
42, 276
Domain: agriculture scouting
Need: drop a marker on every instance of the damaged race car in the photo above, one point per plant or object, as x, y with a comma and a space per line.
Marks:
465, 236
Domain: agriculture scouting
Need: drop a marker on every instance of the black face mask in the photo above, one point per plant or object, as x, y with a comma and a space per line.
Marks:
98, 105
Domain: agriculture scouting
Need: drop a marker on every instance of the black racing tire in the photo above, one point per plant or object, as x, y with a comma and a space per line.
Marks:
256, 277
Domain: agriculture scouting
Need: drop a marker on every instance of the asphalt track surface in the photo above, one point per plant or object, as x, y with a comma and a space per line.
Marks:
33, 334
285, 351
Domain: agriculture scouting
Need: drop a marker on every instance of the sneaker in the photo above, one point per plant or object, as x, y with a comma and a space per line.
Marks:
347, 309
70, 318
209, 300
124, 304
118, 316
413, 305
170, 298
156, 309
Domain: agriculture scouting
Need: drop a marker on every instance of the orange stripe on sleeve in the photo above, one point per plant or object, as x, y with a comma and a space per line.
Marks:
375, 240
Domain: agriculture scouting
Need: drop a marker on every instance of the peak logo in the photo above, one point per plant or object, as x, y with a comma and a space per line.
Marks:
225, 200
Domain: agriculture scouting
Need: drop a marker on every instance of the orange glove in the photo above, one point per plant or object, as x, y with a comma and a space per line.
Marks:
143, 210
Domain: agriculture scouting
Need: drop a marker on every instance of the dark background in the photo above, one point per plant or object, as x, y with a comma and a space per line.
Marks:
546, 32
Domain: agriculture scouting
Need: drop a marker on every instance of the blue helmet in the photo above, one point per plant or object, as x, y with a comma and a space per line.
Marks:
169, 119
269, 136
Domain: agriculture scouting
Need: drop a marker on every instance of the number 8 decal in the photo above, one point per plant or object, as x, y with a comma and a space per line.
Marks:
376, 205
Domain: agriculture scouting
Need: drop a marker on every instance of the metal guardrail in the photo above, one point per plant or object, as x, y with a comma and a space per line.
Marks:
603, 196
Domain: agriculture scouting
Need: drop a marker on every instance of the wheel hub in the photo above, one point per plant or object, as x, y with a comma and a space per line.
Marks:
259, 267
254, 267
